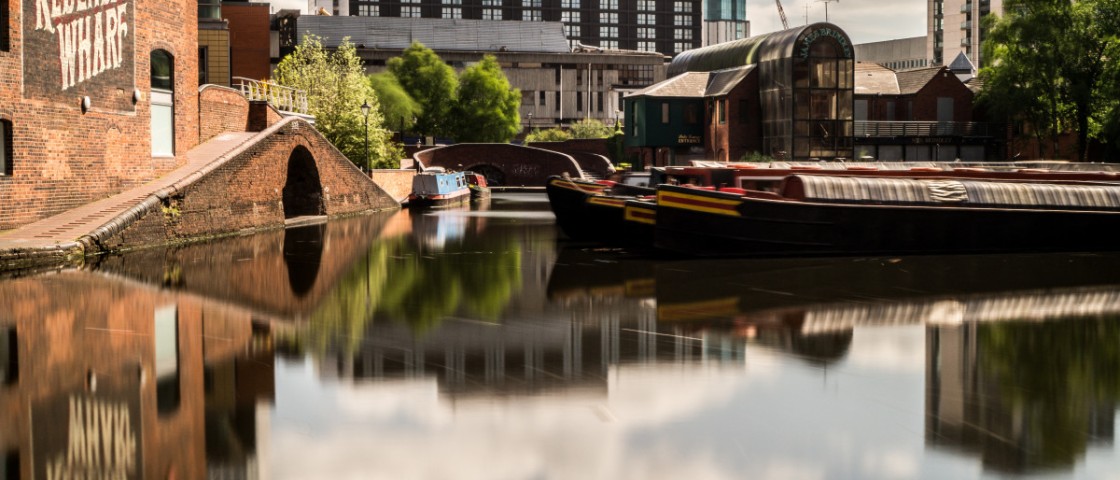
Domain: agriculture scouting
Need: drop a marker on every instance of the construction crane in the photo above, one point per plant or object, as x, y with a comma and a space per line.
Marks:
782, 13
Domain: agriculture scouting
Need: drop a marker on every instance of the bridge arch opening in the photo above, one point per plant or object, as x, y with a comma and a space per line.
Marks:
303, 191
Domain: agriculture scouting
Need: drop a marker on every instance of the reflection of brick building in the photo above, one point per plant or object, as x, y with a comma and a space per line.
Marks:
79, 125
76, 343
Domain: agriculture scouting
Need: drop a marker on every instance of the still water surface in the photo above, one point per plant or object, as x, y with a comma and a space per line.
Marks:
473, 344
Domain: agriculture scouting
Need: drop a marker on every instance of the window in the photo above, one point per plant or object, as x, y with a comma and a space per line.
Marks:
682, 6
682, 34
599, 101
203, 63
368, 10
491, 14
682, 20
410, 11
647, 46
681, 46
569, 17
608, 17
647, 5
542, 98
557, 101
608, 32
573, 30
579, 101
647, 19
570, 4
531, 15
452, 12
664, 112
5, 34
5, 148
648, 33
163, 103
609, 44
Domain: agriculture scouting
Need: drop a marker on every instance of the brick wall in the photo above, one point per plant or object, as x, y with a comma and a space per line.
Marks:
397, 183
516, 165
944, 84
742, 132
220, 110
63, 157
241, 193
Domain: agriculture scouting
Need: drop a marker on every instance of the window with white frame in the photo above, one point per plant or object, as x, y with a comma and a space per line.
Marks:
609, 44
569, 3
452, 12
647, 46
647, 19
682, 6
682, 20
608, 32
531, 15
491, 14
647, 5
647, 32
572, 30
569, 17
410, 11
608, 4
682, 34
679, 47
609, 18
368, 10
162, 103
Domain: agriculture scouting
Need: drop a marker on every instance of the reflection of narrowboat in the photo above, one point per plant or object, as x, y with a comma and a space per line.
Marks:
439, 189
835, 215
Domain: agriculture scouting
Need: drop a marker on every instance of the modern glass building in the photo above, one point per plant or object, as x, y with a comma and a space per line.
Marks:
725, 20
805, 87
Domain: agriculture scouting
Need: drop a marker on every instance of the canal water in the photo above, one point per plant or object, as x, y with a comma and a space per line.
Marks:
473, 344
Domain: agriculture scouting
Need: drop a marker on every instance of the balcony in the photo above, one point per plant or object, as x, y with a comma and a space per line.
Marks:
869, 129
966, 7
285, 99
967, 24
966, 42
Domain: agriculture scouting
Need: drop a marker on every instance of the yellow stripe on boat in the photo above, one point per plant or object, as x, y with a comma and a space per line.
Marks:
641, 215
559, 182
700, 203
607, 201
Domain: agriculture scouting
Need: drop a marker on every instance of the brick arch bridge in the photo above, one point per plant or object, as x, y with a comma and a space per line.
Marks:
505, 164
280, 168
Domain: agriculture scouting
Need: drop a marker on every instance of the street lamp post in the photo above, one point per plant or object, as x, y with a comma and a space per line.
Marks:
365, 114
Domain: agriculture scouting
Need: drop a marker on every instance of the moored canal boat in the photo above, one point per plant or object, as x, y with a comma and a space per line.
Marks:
439, 189
590, 211
838, 215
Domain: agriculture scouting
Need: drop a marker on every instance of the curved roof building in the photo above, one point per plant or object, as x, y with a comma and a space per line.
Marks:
805, 87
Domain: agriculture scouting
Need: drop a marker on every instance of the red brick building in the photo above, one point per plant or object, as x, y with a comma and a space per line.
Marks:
78, 89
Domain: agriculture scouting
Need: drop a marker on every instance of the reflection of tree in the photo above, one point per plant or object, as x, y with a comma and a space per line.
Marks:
398, 279
1053, 379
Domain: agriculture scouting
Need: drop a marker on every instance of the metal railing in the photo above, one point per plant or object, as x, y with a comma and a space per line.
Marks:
929, 129
285, 99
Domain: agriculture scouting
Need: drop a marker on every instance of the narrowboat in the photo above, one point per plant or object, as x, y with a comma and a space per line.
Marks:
589, 210
829, 215
439, 189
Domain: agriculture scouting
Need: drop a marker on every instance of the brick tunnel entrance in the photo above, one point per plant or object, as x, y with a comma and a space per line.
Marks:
303, 192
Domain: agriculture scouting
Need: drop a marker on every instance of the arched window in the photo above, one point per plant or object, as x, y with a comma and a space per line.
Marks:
163, 103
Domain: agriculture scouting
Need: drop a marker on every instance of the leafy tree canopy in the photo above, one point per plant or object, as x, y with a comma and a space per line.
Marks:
487, 108
591, 128
550, 135
336, 88
429, 81
398, 108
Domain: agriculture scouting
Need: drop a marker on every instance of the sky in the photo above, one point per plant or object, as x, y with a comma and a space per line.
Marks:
864, 20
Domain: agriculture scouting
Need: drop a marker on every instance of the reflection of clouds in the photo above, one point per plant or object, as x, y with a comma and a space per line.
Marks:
401, 430
900, 350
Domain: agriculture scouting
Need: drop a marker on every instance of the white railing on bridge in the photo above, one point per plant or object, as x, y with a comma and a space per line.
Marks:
285, 99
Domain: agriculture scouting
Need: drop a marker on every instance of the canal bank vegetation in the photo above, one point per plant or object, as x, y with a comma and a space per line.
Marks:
1055, 67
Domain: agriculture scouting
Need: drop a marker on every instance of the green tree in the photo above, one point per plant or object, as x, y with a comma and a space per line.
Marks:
336, 88
487, 108
429, 81
397, 108
590, 128
1048, 64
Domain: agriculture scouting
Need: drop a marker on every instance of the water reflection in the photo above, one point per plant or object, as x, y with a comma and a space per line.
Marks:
468, 344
